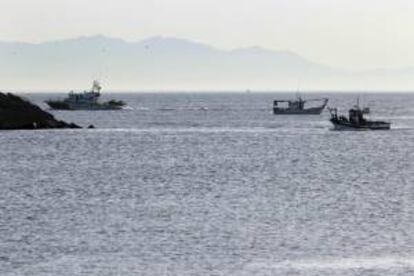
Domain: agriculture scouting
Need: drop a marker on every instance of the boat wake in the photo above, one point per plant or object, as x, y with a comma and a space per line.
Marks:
386, 265
201, 108
214, 130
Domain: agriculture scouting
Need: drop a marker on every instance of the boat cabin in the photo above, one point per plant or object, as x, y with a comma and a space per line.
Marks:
296, 105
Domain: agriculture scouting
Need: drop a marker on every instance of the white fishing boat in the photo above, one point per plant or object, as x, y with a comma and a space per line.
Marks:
88, 100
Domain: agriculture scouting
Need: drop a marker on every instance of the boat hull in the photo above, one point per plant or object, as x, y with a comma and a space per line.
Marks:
288, 111
58, 105
373, 125
67, 106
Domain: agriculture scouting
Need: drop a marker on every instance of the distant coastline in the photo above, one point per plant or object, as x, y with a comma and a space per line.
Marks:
164, 64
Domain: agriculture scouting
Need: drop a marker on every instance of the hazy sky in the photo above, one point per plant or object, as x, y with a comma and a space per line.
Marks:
354, 34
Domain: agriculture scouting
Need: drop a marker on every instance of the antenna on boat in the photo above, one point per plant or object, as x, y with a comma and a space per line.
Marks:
96, 87
357, 103
298, 88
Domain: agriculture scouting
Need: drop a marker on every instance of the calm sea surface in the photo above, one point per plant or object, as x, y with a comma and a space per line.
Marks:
209, 184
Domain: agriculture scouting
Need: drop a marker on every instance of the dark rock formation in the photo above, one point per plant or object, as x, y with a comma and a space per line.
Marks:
17, 113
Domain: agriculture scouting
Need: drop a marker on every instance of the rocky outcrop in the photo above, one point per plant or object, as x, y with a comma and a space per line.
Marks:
18, 113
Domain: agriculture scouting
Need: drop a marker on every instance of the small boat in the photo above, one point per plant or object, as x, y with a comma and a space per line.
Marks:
356, 120
88, 100
297, 107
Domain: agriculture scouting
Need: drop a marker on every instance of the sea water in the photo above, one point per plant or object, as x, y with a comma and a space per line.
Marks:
209, 184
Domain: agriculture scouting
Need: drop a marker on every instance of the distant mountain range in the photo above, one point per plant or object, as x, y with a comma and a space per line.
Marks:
175, 64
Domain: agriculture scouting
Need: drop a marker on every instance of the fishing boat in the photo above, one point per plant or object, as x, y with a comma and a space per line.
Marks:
88, 100
297, 107
356, 120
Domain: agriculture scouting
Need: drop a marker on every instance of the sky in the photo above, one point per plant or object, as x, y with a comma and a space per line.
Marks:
348, 34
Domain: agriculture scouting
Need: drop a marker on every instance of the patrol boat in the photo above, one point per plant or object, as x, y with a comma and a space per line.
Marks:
356, 120
297, 107
88, 100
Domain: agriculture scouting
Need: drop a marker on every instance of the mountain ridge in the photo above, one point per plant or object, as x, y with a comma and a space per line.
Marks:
172, 63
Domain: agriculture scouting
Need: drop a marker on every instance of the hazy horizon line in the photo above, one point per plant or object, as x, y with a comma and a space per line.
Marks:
236, 91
